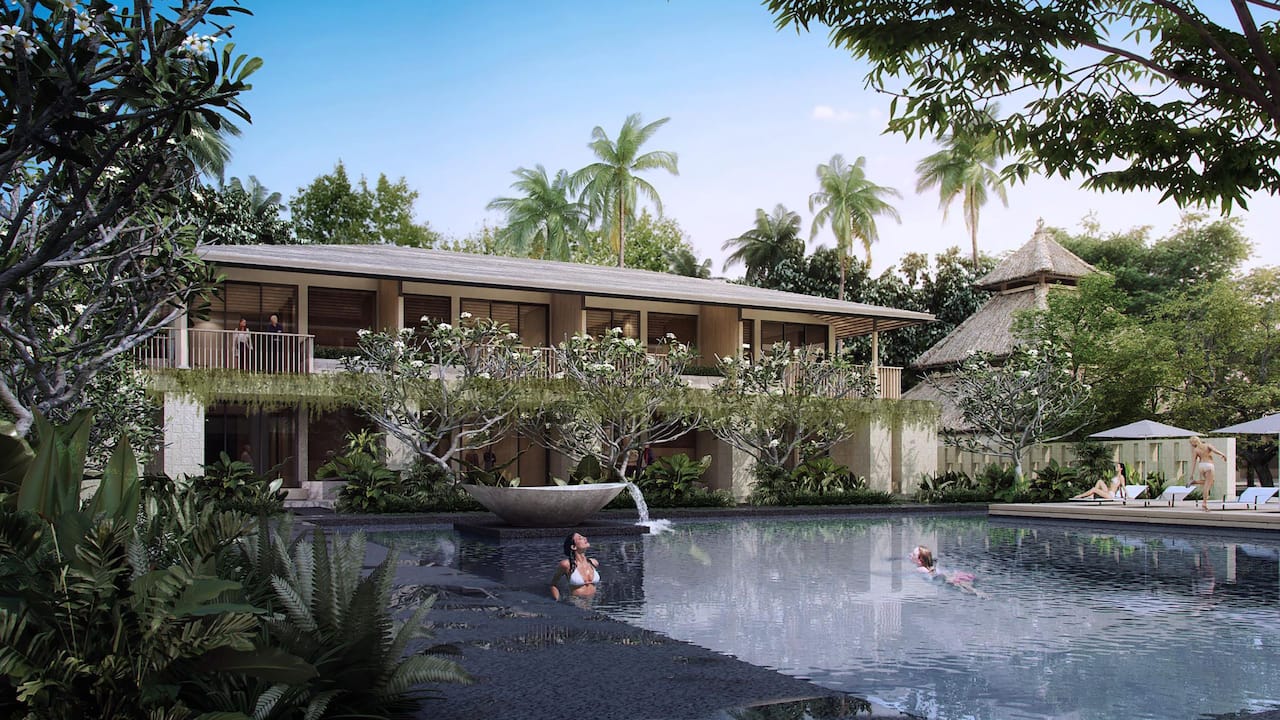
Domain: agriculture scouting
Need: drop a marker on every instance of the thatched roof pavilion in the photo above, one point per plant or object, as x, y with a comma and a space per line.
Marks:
1020, 282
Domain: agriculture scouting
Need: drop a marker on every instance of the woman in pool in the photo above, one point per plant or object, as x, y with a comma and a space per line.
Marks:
581, 572
927, 564
1107, 491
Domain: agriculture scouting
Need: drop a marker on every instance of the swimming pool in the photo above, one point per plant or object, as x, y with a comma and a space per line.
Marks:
1076, 622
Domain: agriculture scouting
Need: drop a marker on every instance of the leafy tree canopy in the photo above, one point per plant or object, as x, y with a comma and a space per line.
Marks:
1195, 254
234, 215
331, 210
1130, 94
651, 244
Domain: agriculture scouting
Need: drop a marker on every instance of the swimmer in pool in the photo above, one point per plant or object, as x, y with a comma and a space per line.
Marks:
582, 573
927, 564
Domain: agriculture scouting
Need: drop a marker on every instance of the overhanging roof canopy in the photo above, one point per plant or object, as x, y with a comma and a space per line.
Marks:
1143, 429
495, 271
1268, 425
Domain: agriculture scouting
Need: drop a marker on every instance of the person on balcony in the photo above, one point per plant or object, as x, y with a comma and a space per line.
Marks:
243, 343
277, 360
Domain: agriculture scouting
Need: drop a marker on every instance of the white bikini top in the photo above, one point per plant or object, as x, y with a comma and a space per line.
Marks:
575, 578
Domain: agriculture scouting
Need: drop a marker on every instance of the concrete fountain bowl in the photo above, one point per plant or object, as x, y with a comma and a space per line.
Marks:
545, 506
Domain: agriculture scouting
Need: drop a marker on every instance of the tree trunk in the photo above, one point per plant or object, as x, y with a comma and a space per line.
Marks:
844, 260
622, 242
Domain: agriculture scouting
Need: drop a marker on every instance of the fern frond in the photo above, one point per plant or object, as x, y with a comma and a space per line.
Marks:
298, 610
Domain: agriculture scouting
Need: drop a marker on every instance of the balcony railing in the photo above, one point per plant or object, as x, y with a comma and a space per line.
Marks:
247, 351
293, 353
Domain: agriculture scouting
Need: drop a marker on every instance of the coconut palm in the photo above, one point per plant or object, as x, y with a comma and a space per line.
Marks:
773, 239
610, 186
964, 166
683, 262
261, 200
544, 214
850, 203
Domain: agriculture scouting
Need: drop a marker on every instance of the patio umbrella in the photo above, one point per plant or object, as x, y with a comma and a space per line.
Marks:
1143, 429
1269, 425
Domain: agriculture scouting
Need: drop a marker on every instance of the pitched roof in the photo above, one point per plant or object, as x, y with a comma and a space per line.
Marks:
1041, 259
990, 329
494, 271
949, 415
1143, 429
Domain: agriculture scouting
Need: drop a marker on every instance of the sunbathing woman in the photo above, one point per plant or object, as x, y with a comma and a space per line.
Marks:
1105, 491
926, 563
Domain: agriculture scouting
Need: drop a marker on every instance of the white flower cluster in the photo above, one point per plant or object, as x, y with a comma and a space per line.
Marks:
197, 44
14, 39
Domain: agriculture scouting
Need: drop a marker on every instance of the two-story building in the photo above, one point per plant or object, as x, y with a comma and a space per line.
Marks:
302, 306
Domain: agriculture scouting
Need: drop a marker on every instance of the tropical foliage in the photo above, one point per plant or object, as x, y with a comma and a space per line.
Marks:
612, 187
331, 210
965, 168
545, 220
1009, 404
443, 392
612, 398
850, 203
103, 112
1188, 104
772, 241
787, 407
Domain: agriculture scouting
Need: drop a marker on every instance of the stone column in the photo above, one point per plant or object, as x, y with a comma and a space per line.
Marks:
183, 436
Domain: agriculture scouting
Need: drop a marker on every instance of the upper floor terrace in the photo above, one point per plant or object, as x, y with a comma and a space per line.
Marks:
322, 295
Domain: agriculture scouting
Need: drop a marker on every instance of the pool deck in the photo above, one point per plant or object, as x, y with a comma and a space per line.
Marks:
1233, 516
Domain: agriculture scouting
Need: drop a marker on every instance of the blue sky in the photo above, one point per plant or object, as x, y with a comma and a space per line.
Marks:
453, 96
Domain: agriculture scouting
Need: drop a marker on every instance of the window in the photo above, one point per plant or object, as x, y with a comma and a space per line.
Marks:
335, 315
684, 327
265, 440
524, 319
748, 336
435, 308
799, 335
600, 322
255, 302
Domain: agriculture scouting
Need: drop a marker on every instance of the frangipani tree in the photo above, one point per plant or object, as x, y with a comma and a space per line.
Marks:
790, 406
106, 116
444, 393
611, 397
1009, 404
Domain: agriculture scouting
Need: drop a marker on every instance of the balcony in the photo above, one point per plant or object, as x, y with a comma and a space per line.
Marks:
279, 353
293, 353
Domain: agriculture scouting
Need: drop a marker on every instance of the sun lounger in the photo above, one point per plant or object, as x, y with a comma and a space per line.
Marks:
1133, 492
1128, 492
1256, 495
1174, 493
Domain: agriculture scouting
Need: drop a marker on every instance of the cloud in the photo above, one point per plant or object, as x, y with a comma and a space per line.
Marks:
827, 113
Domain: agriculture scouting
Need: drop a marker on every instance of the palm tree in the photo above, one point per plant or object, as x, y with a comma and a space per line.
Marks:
684, 262
773, 239
545, 214
261, 200
850, 203
610, 186
965, 166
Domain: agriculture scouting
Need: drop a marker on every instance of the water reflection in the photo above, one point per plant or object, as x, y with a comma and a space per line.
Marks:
1077, 623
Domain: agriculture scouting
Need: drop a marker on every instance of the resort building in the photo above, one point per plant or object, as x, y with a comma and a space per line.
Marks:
303, 306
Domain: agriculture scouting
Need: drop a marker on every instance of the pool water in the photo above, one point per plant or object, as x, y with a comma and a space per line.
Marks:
1072, 622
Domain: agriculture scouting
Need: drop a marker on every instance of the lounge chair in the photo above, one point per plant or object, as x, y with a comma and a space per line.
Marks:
1132, 492
1174, 493
1256, 495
